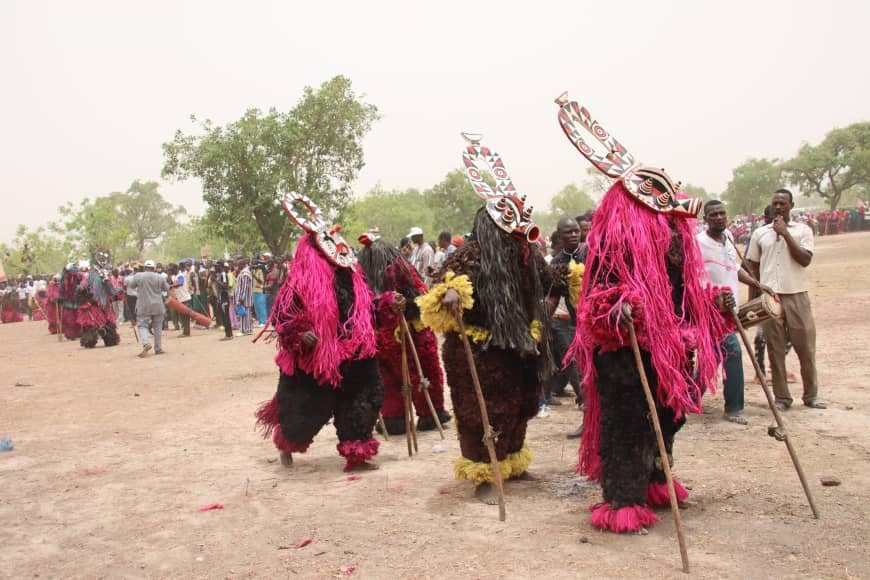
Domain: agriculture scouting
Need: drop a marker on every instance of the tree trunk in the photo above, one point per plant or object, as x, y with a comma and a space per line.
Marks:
282, 244
264, 231
835, 195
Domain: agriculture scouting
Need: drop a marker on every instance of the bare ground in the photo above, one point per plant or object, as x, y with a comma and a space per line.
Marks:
113, 456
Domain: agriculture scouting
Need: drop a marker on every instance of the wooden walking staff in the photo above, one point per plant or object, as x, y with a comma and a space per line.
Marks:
383, 427
424, 382
488, 436
410, 428
779, 433
663, 452
59, 321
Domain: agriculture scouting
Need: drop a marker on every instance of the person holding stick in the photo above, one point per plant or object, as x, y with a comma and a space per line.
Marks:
393, 278
493, 285
323, 321
720, 261
648, 331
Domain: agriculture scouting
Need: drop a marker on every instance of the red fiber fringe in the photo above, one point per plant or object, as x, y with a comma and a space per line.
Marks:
267, 416
625, 519
356, 452
657, 493
90, 316
289, 446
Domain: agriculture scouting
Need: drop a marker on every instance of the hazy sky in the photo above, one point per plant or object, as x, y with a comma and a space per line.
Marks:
92, 89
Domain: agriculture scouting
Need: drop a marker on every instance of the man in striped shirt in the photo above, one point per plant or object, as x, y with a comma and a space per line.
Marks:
244, 296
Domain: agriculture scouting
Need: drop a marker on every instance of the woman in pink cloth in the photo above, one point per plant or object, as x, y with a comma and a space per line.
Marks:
643, 268
323, 318
52, 306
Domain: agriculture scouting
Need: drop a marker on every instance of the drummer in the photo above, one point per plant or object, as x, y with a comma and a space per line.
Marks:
720, 260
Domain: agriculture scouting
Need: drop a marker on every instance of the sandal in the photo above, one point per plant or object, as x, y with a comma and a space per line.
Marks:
739, 419
816, 404
780, 406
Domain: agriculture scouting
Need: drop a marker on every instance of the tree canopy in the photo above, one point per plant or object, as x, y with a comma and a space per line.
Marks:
834, 166
246, 166
394, 212
751, 185
120, 223
39, 251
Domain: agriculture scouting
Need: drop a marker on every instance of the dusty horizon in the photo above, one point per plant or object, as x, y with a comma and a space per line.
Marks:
94, 89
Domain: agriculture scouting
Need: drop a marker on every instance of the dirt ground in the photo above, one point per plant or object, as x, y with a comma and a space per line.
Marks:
114, 454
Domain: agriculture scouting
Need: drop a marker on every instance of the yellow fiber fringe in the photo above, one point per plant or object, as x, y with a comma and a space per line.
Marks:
575, 282
476, 334
536, 329
414, 323
433, 314
514, 465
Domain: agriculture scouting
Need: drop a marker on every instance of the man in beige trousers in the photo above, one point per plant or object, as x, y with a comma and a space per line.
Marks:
779, 254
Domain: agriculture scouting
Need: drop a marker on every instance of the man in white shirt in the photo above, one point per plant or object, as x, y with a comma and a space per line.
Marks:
720, 260
423, 256
179, 289
445, 248
779, 254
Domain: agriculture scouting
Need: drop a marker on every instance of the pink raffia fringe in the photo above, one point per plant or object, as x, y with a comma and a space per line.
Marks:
267, 416
267, 421
289, 446
657, 493
356, 452
625, 519
89, 316
306, 302
628, 248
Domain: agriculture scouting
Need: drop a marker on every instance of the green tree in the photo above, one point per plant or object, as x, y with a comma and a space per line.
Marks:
40, 251
147, 214
97, 226
571, 201
119, 223
393, 212
186, 240
696, 191
453, 203
596, 183
314, 149
751, 185
834, 166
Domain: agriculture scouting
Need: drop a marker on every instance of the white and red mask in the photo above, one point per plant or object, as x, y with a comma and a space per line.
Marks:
331, 243
505, 206
649, 185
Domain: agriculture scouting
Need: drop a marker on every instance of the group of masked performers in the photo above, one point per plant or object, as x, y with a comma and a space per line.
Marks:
78, 303
339, 323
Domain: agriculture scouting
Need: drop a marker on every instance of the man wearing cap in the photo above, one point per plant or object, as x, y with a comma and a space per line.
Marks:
149, 286
423, 256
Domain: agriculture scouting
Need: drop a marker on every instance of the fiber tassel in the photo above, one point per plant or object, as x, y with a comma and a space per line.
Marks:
621, 520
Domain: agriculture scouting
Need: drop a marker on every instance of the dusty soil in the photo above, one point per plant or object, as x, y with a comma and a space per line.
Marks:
114, 454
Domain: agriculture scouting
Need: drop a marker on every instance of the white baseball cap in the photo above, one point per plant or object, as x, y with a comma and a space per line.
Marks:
149, 263
415, 231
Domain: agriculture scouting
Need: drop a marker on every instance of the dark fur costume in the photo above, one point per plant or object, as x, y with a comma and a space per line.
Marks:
9, 308
388, 272
506, 275
95, 315
310, 390
70, 300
